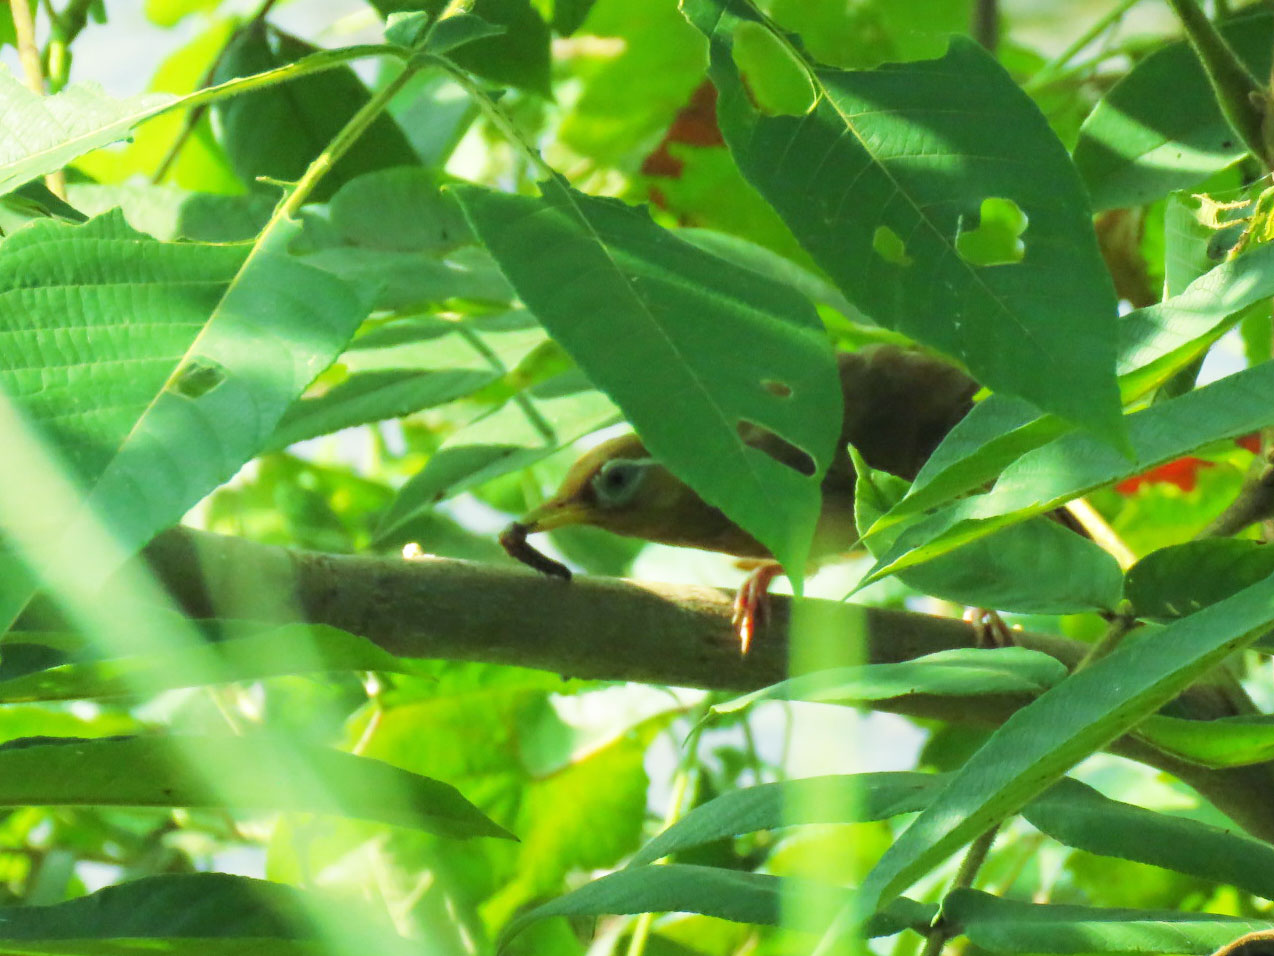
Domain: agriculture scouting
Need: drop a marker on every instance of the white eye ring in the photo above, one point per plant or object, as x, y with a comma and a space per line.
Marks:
618, 480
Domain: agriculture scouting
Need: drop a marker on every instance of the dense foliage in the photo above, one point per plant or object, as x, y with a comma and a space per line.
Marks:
375, 281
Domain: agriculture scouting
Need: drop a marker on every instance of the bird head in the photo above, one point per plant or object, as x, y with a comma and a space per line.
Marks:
618, 486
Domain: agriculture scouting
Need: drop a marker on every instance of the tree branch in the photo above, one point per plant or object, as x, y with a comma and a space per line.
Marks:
610, 629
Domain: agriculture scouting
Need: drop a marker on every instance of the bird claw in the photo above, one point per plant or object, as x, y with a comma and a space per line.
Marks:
752, 604
989, 629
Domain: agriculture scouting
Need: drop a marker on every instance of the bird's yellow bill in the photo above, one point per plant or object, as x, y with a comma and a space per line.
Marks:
552, 515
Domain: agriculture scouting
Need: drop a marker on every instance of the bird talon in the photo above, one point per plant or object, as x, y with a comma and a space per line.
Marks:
989, 629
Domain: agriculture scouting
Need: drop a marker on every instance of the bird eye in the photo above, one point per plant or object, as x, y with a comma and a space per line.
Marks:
617, 481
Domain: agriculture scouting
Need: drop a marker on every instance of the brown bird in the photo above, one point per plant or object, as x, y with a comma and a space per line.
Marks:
898, 406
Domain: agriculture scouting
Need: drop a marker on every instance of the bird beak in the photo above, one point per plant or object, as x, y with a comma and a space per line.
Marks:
554, 514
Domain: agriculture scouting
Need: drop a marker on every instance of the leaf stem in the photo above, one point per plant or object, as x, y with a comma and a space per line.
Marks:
1244, 102
964, 878
497, 116
1050, 70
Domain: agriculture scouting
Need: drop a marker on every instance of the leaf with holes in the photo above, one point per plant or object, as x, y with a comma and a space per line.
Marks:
938, 199
152, 413
687, 344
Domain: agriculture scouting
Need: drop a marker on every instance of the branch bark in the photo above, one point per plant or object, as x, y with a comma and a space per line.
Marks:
610, 629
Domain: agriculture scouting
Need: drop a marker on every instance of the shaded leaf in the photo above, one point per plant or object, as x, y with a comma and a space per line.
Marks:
1078, 816
697, 334
303, 116
519, 433
849, 798
207, 771
1075, 464
1178, 580
1132, 151
728, 894
1009, 926
1038, 566
1083, 713
965, 671
906, 158
296, 649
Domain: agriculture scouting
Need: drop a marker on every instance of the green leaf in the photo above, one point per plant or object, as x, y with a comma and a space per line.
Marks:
302, 116
886, 158
401, 209
1075, 464
1132, 151
221, 339
207, 771
1083, 713
848, 798
458, 30
40, 134
192, 911
296, 649
409, 365
1037, 566
963, 672
1179, 580
1010, 926
1227, 742
727, 894
517, 56
649, 317
1153, 343
1078, 816
518, 434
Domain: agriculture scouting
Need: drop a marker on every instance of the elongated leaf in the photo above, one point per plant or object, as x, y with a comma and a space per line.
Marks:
154, 412
684, 343
155, 772
1178, 580
1227, 742
1076, 464
1083, 713
188, 907
519, 433
728, 894
1153, 343
417, 363
849, 798
1010, 926
1037, 566
1132, 151
965, 671
40, 134
1077, 815
883, 181
299, 649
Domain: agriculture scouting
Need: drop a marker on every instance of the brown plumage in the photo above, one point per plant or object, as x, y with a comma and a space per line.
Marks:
898, 406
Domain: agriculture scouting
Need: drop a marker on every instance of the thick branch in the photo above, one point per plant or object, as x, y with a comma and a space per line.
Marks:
623, 630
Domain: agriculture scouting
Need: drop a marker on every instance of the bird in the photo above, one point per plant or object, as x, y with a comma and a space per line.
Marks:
899, 403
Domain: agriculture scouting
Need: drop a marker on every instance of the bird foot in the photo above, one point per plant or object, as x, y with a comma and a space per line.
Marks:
752, 603
989, 629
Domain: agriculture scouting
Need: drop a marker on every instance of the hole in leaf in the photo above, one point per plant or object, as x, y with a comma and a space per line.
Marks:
776, 388
890, 247
993, 237
777, 81
777, 447
198, 377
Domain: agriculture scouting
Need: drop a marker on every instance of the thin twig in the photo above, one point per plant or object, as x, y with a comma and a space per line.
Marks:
1050, 70
986, 24
33, 73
